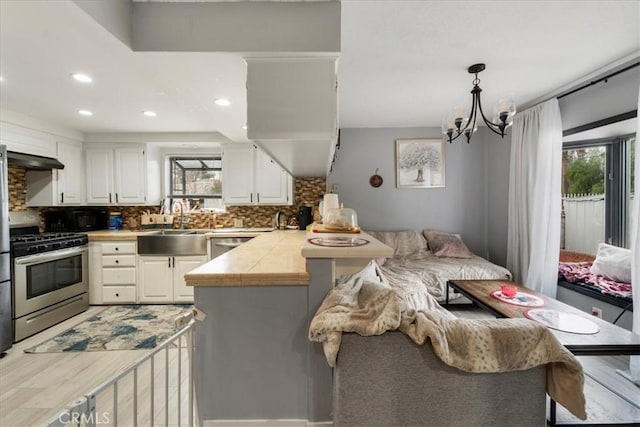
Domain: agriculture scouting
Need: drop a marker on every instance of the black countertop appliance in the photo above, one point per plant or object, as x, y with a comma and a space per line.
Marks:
305, 217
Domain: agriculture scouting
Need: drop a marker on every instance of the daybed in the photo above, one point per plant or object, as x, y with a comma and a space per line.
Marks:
411, 362
580, 287
432, 258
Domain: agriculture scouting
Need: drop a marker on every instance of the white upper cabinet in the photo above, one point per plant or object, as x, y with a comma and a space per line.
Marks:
250, 176
291, 98
115, 175
130, 175
70, 187
271, 181
100, 186
61, 186
237, 175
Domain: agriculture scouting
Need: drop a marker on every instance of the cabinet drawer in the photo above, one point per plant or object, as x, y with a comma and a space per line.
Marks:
119, 276
119, 248
119, 294
119, 261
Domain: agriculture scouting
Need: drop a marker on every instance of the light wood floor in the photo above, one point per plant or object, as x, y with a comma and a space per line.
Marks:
610, 398
35, 387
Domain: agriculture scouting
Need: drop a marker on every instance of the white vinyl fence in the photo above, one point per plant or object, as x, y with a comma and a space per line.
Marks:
583, 222
583, 219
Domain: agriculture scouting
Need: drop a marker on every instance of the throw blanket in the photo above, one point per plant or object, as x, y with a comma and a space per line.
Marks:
434, 272
366, 304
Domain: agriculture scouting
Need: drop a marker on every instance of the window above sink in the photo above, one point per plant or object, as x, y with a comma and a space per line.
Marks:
196, 181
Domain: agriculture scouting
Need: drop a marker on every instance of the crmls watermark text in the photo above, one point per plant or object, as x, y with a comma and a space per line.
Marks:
81, 419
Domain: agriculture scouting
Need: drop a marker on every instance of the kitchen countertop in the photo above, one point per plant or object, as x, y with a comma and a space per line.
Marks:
276, 258
373, 249
271, 258
112, 235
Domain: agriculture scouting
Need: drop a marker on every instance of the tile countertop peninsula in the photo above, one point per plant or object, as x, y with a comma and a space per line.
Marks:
259, 299
271, 258
277, 258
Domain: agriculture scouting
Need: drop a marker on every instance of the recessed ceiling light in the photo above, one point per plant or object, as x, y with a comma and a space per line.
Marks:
82, 77
223, 102
149, 113
1, 79
244, 127
85, 113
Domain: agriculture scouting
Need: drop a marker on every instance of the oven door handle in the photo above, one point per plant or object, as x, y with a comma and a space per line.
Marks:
50, 256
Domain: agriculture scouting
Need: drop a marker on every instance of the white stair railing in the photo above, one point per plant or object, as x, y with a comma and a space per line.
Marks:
101, 408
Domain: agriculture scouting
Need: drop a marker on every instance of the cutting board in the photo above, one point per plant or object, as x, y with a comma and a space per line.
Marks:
321, 228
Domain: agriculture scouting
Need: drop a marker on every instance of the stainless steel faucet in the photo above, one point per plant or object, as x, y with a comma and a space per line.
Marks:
183, 221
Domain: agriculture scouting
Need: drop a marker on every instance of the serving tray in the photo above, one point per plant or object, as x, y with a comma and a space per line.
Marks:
338, 241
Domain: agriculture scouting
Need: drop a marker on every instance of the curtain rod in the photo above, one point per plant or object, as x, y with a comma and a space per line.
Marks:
608, 76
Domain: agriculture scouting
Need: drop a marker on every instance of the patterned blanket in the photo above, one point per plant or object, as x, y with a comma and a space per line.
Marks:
367, 304
580, 273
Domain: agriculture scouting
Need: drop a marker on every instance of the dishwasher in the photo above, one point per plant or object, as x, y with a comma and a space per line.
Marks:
220, 245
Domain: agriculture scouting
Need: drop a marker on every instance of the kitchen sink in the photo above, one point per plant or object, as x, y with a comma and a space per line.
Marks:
242, 230
173, 242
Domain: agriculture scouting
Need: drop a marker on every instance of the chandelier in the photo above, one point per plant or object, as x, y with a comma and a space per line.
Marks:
462, 122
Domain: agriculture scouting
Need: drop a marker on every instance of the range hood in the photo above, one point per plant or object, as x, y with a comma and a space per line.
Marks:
33, 162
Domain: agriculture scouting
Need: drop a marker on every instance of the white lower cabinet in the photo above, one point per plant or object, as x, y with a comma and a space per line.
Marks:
113, 272
161, 278
118, 275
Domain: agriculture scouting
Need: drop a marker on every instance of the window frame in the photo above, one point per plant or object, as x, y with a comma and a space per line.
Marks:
617, 169
172, 159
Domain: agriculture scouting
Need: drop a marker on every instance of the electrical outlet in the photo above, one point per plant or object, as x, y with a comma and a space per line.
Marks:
596, 311
238, 223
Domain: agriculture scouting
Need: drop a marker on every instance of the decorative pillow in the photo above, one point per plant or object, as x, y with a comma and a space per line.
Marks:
613, 263
443, 244
403, 242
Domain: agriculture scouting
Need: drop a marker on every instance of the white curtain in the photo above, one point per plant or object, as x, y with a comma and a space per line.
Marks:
635, 254
535, 174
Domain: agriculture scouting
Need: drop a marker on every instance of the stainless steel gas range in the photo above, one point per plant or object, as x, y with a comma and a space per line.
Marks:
50, 278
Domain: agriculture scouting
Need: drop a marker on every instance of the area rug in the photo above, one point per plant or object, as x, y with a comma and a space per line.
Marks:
125, 327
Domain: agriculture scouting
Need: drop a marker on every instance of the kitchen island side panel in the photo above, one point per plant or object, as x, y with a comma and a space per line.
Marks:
251, 353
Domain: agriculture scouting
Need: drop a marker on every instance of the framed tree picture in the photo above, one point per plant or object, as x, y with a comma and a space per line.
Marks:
419, 163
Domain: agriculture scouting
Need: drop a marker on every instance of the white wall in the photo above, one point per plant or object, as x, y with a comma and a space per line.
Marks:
459, 207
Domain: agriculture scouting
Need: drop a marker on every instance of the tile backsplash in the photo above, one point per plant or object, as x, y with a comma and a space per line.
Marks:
17, 188
308, 191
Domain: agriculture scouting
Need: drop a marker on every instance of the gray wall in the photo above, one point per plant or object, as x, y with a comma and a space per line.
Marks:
461, 206
498, 157
618, 95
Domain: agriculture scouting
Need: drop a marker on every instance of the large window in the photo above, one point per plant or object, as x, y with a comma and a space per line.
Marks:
596, 187
196, 182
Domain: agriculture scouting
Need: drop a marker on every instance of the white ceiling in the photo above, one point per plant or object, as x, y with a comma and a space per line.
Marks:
402, 63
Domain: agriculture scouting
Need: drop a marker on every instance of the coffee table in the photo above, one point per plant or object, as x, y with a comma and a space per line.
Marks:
609, 340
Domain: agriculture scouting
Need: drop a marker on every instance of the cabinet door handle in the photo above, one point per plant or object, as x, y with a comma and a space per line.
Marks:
116, 248
251, 198
258, 197
174, 261
117, 261
169, 259
117, 295
109, 197
62, 197
116, 197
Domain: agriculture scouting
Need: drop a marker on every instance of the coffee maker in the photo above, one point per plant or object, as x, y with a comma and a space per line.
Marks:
305, 217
